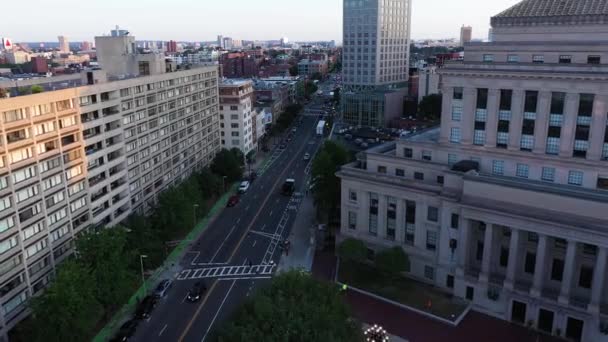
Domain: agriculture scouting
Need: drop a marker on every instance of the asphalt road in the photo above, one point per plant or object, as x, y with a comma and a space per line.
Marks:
249, 232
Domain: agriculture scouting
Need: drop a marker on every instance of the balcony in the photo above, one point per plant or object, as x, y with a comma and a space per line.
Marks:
92, 132
114, 155
88, 117
97, 179
99, 194
117, 184
110, 111
67, 140
113, 141
116, 170
100, 209
112, 126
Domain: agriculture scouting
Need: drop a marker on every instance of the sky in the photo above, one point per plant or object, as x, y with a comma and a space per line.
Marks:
203, 20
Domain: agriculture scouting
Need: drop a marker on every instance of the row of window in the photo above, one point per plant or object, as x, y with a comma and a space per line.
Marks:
562, 59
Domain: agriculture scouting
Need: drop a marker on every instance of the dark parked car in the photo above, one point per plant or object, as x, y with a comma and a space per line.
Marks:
126, 331
162, 288
144, 309
283, 146
196, 292
234, 200
253, 176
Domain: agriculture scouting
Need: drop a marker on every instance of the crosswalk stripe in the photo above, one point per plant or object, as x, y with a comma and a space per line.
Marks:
226, 271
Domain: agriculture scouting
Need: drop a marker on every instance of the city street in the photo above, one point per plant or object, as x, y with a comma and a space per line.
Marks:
248, 234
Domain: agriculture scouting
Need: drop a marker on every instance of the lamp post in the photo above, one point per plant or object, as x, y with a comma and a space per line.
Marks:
143, 278
195, 206
224, 183
376, 333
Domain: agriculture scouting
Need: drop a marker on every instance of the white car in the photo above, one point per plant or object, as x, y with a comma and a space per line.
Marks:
244, 187
307, 156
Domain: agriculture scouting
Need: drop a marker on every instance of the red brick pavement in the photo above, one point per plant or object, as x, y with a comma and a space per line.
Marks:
417, 328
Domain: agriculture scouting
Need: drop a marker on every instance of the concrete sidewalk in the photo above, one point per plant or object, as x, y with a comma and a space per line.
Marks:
302, 250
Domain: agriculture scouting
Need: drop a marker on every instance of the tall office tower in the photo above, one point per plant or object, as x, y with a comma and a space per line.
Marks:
375, 60
91, 155
506, 204
220, 41
466, 35
64, 45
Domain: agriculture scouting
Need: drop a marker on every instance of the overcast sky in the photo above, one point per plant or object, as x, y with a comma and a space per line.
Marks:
201, 20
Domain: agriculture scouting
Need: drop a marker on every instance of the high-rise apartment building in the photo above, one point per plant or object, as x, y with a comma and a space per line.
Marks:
89, 156
236, 115
64, 45
375, 60
466, 35
506, 204
171, 46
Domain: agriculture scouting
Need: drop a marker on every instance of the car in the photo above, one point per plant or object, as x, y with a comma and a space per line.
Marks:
253, 176
282, 146
196, 292
145, 307
126, 331
163, 288
293, 130
306, 156
233, 201
244, 187
289, 187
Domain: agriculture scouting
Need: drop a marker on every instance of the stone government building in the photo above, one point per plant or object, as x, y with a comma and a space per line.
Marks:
506, 204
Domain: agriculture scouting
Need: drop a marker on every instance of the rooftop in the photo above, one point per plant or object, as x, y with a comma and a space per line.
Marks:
553, 12
234, 82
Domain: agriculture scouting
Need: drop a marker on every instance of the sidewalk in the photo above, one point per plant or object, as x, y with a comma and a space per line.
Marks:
417, 328
302, 250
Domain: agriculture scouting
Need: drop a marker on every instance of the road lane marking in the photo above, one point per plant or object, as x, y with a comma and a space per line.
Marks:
162, 331
254, 242
268, 215
184, 300
198, 310
246, 209
218, 310
223, 242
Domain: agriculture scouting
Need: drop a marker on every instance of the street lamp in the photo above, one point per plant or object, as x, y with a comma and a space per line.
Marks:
376, 333
143, 279
224, 183
195, 206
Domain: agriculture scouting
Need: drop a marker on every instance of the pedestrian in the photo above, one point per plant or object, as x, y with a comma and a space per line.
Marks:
250, 264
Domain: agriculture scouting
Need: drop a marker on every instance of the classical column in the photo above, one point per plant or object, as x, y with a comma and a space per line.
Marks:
382, 200
599, 274
446, 114
363, 221
568, 274
487, 254
598, 127
463, 246
400, 233
541, 126
512, 265
492, 121
569, 125
539, 268
468, 115
517, 119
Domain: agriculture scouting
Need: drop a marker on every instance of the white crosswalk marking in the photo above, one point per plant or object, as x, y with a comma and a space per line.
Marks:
227, 271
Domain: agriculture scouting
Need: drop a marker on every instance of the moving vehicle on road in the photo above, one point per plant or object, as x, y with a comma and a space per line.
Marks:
163, 288
196, 292
307, 156
320, 127
288, 187
126, 331
244, 187
233, 201
144, 309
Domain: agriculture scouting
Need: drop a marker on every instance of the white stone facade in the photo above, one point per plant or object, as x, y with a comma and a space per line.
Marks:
236, 115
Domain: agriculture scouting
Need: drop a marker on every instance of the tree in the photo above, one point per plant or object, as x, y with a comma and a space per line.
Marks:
294, 307
210, 183
35, 89
352, 250
311, 88
226, 164
104, 253
3, 93
392, 261
293, 70
326, 185
317, 76
430, 107
67, 311
238, 154
337, 95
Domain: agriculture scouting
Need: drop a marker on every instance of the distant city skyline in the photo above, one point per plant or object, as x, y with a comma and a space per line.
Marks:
313, 20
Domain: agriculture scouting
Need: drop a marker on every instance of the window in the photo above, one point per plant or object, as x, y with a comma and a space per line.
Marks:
530, 263
455, 135
548, 174
457, 112
8, 244
532, 237
408, 153
455, 221
449, 281
565, 59
19, 155
452, 159
557, 270
479, 137
14, 303
523, 170
74, 206
381, 169
513, 58
504, 256
418, 175
498, 167
440, 179
24, 174
399, 172
458, 93
538, 59
586, 277
32, 230
432, 214
27, 193
353, 196
593, 59
527, 142
431, 240
488, 58
7, 223
373, 214
57, 216
352, 220
36, 248
391, 218
427, 155
553, 145
429, 272
5, 203
575, 178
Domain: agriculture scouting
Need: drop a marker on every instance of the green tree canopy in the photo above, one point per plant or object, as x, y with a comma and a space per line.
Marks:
293, 70
67, 311
35, 89
430, 107
294, 307
392, 261
326, 185
227, 164
352, 250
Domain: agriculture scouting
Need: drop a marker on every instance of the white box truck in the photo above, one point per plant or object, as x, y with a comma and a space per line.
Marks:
320, 128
